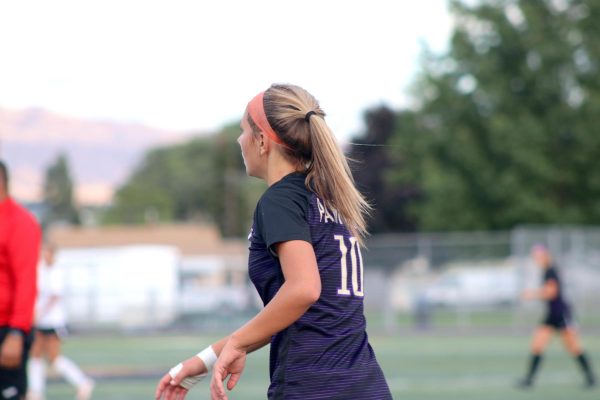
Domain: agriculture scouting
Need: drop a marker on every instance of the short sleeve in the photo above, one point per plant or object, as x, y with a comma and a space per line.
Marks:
550, 275
282, 216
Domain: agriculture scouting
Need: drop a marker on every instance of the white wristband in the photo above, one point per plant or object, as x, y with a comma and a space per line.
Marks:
208, 357
188, 382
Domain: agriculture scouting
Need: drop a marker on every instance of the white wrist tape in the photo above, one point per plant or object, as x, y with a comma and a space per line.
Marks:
208, 357
188, 382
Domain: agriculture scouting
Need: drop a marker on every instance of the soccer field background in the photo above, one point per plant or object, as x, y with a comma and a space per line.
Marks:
417, 366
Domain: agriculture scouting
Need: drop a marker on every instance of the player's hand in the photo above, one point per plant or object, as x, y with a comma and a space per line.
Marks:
11, 352
231, 362
169, 388
166, 391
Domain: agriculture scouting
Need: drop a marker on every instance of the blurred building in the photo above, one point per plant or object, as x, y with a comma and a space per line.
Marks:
149, 276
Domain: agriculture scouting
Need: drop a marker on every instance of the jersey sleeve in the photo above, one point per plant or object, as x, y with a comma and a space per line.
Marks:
550, 275
281, 217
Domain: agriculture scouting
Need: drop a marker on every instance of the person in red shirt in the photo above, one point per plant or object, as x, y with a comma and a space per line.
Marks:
20, 237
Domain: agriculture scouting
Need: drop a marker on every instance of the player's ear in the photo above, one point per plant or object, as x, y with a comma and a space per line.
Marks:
263, 144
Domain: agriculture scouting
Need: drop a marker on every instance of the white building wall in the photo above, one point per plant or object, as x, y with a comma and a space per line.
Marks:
128, 286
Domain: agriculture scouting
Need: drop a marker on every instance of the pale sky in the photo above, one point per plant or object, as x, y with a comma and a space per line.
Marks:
193, 65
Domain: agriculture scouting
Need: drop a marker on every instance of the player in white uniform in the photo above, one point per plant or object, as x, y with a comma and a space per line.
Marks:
50, 323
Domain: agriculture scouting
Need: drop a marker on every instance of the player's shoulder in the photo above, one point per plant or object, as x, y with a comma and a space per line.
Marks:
21, 215
28, 218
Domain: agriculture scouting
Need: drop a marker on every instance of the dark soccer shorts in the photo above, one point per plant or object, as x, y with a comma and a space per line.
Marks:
60, 332
13, 382
559, 320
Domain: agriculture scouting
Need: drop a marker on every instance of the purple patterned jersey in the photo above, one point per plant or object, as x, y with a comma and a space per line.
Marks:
326, 353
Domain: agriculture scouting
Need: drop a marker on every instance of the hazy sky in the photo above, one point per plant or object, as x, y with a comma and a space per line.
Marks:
193, 65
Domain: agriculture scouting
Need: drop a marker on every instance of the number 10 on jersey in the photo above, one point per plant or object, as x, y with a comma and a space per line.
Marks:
355, 262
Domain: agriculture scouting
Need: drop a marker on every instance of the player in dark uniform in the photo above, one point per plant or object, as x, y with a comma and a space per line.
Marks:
305, 262
558, 319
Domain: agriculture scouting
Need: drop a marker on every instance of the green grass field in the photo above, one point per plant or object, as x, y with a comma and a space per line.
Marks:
428, 366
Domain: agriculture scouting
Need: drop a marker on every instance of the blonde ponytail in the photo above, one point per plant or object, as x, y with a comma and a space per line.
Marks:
332, 180
296, 117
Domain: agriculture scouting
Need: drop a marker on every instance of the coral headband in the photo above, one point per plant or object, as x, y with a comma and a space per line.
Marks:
256, 110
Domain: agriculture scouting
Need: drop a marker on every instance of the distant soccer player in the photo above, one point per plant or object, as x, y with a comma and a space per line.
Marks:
305, 262
20, 237
51, 322
558, 318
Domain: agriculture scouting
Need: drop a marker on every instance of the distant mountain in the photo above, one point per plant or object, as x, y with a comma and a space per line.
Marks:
101, 154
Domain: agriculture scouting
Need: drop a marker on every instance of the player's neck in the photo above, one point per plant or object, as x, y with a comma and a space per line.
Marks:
276, 172
277, 175
277, 168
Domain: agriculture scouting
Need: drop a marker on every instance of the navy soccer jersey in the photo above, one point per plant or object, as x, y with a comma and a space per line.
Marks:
558, 313
326, 353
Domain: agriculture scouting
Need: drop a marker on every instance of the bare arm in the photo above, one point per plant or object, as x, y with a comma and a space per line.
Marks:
302, 287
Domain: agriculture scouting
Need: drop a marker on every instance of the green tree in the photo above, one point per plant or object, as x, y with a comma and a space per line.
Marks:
168, 185
201, 179
58, 194
372, 165
506, 127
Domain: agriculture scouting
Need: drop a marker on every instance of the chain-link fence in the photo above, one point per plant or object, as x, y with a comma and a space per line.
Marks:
456, 281
474, 280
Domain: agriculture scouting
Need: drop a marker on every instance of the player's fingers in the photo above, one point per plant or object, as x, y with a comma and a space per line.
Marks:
167, 387
173, 392
164, 394
168, 393
215, 396
181, 393
217, 391
213, 388
233, 380
162, 384
177, 393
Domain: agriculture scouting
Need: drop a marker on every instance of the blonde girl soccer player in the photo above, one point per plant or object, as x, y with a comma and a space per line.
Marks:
50, 324
304, 261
